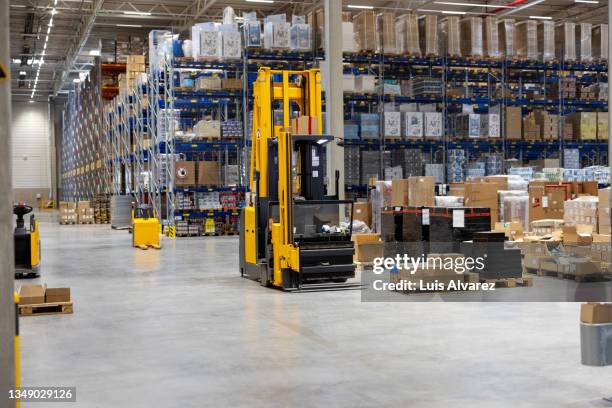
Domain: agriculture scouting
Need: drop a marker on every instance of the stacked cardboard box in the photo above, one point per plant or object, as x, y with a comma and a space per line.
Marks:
385, 33
531, 130
484, 195
364, 26
351, 165
600, 43
205, 83
367, 247
604, 211
506, 38
546, 40
489, 125
68, 213
584, 125
565, 41
413, 191
85, 214
407, 34
428, 35
581, 211
546, 200
471, 37
548, 123
513, 123
101, 206
208, 173
450, 38
369, 126
455, 166
135, 67
467, 125
564, 88
602, 125
527, 40
583, 42
491, 38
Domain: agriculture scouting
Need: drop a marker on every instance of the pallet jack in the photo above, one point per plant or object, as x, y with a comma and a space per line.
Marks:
145, 228
290, 234
27, 243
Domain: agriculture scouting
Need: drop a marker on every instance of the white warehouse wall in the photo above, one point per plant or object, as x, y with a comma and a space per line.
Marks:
31, 152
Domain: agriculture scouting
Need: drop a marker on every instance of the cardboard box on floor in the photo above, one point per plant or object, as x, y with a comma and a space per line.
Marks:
367, 247
32, 294
596, 313
57, 295
546, 201
512, 230
580, 234
413, 191
483, 194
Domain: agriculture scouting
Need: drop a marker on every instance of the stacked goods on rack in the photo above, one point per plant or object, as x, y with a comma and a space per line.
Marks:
101, 205
68, 213
85, 214
136, 68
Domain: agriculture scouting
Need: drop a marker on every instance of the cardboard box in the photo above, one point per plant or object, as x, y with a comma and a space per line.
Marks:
57, 295
304, 125
577, 234
513, 123
208, 173
362, 211
32, 294
484, 195
596, 313
367, 247
421, 191
83, 205
546, 201
185, 173
603, 211
365, 31
231, 84
399, 192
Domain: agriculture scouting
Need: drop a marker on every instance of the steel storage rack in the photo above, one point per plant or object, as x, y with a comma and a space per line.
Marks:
83, 170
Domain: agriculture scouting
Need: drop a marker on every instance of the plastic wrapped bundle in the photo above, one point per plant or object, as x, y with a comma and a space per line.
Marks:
455, 165
583, 42
450, 37
385, 33
300, 34
435, 170
380, 198
526, 173
407, 34
526, 43
494, 164
546, 39
553, 173
277, 32
449, 201
364, 26
517, 183
600, 43
516, 208
428, 35
491, 38
471, 37
565, 41
571, 158
506, 38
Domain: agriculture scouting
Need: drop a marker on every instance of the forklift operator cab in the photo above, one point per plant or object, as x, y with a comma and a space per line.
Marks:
27, 242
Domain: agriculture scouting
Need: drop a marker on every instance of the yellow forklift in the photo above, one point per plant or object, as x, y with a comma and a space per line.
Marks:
27, 243
292, 235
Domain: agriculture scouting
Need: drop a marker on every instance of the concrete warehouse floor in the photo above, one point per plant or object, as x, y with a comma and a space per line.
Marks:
180, 328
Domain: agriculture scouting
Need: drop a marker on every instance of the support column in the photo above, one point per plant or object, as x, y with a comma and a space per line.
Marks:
609, 95
332, 84
7, 265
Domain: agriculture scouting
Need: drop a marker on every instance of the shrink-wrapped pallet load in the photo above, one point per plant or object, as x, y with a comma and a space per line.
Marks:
546, 40
565, 41
407, 34
491, 38
428, 35
364, 26
450, 37
583, 42
600, 43
506, 38
385, 33
526, 43
471, 37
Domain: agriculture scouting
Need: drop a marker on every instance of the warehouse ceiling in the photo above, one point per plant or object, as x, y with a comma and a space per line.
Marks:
52, 41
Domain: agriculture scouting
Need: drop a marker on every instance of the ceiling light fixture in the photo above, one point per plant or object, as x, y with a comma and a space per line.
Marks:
137, 13
129, 25
540, 17
453, 12
22, 73
53, 11
357, 6
450, 3
587, 1
16, 61
523, 7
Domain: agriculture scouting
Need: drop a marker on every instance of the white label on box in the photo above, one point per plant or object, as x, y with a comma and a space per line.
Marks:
315, 173
544, 202
425, 216
458, 219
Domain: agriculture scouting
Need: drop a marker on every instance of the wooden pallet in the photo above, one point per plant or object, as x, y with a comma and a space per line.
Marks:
524, 281
67, 223
46, 309
531, 271
85, 222
210, 234
594, 277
